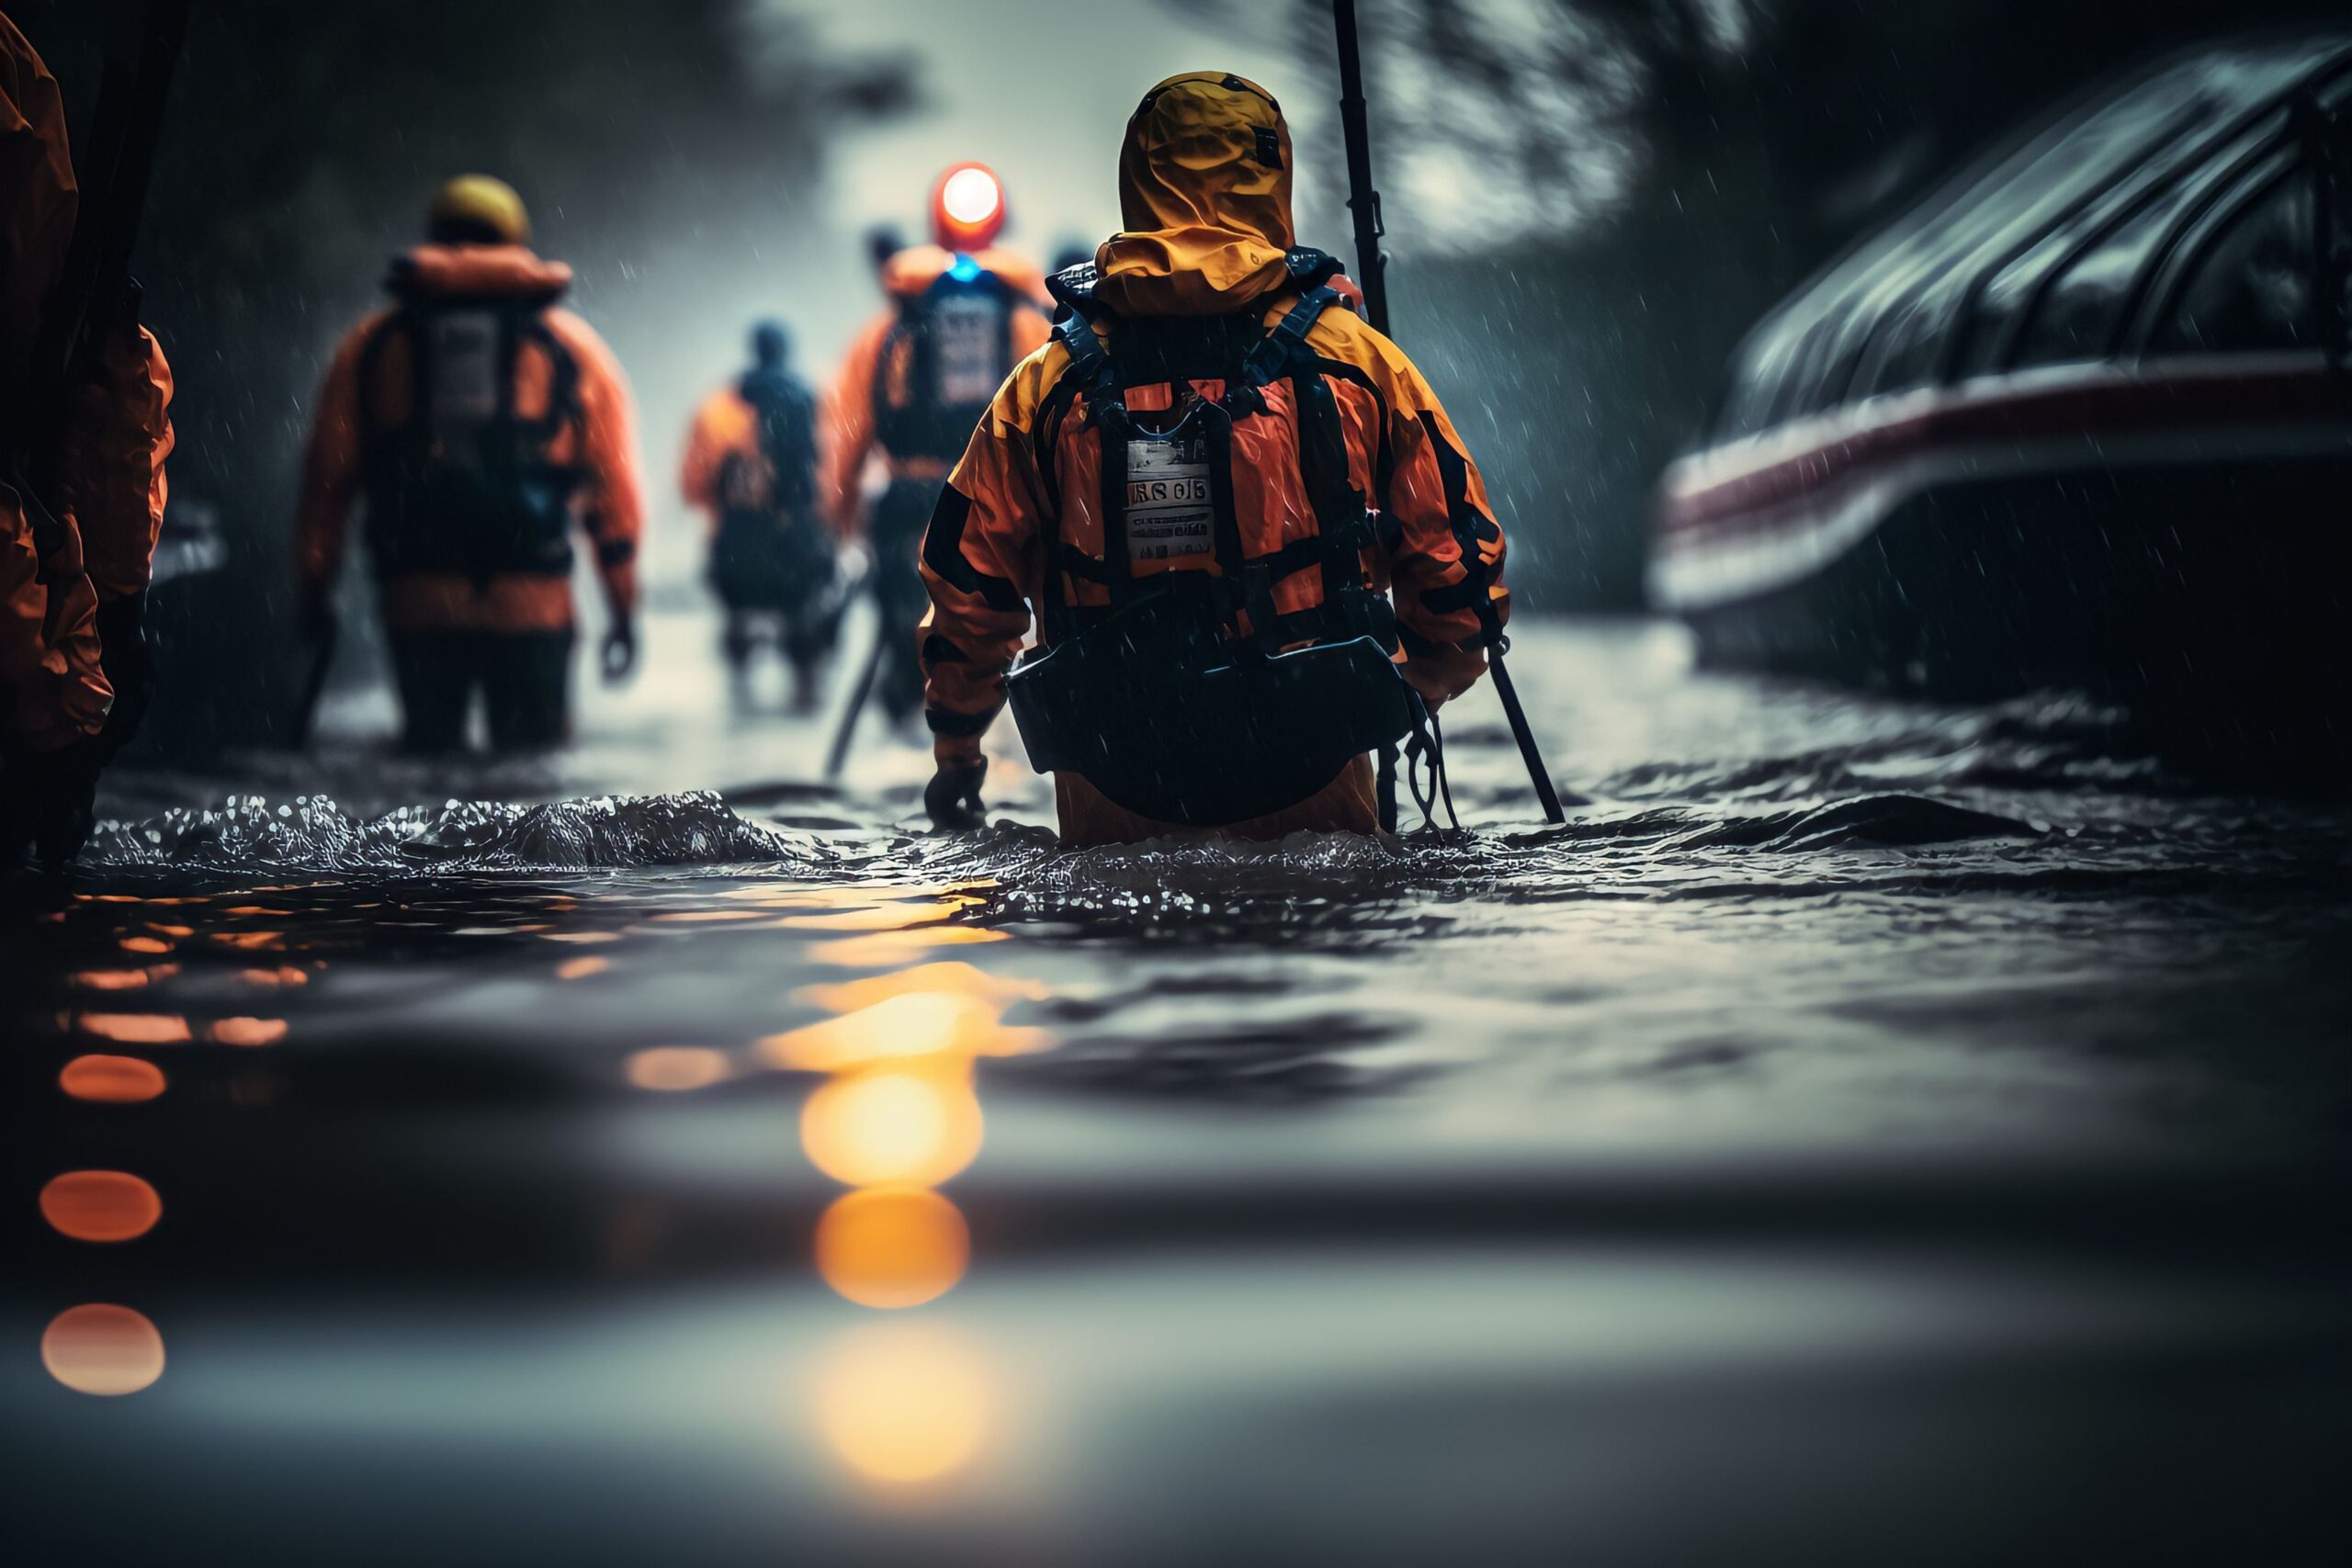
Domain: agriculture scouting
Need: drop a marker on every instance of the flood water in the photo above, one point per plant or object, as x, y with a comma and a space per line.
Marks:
1864, 1133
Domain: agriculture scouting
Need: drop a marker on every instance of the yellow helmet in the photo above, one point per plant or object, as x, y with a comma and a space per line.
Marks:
478, 208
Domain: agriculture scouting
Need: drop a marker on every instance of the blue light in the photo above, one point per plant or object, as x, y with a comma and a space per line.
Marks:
964, 269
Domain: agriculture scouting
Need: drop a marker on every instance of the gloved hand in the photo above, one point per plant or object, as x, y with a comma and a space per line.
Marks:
47, 798
952, 796
620, 651
127, 660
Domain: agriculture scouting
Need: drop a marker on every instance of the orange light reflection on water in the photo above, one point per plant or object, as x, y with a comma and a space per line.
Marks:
100, 1205
675, 1069
885, 950
892, 1247
915, 1126
897, 1027
100, 1349
950, 974
903, 1401
124, 979
246, 1030
135, 1028
111, 1080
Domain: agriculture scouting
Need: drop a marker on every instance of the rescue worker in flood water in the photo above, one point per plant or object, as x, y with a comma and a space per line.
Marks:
1211, 485
963, 311
750, 464
482, 424
81, 498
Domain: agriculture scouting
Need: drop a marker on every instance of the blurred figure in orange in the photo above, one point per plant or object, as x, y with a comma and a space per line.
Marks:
963, 312
82, 492
751, 465
481, 425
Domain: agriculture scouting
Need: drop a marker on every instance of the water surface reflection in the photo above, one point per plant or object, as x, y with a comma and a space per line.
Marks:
1852, 1101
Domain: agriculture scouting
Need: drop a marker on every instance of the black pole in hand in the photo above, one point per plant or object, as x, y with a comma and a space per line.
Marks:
839, 753
1372, 276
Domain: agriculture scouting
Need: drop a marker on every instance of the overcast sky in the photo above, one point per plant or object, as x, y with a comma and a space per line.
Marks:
985, 94
1052, 133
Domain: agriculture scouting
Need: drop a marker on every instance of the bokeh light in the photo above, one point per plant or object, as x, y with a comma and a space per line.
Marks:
111, 1080
892, 1247
971, 197
914, 1126
917, 1024
674, 1069
135, 1028
247, 1031
102, 1349
100, 1205
904, 1402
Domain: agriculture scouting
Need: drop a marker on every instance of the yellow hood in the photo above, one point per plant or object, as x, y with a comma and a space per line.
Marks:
1205, 196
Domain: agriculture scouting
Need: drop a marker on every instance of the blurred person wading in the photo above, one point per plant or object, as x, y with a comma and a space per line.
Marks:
482, 424
963, 311
751, 465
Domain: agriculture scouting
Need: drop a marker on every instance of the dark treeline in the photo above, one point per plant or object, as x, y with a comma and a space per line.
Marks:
302, 143
1674, 168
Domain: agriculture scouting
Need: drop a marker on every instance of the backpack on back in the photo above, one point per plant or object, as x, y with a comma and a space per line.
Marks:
942, 363
466, 483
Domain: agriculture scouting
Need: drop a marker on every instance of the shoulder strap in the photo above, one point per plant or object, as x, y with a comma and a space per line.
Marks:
374, 427
1074, 287
564, 406
1340, 515
1089, 360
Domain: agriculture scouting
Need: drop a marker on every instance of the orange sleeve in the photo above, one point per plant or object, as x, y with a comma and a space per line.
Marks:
1446, 562
612, 497
331, 464
981, 548
53, 691
118, 435
847, 434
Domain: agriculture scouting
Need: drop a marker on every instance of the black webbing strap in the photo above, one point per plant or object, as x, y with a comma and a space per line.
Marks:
1425, 745
1247, 579
1114, 429
563, 385
1089, 361
1274, 355
1090, 373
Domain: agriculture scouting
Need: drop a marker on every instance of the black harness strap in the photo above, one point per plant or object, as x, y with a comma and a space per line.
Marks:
417, 525
1089, 376
1340, 512
1110, 417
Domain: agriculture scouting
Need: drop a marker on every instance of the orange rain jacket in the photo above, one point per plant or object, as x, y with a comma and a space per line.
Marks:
107, 485
847, 422
1208, 225
601, 443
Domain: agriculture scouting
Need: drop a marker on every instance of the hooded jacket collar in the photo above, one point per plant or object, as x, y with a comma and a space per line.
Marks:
477, 271
1205, 191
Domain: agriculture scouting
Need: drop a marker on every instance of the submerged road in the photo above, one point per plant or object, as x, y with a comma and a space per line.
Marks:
1865, 1131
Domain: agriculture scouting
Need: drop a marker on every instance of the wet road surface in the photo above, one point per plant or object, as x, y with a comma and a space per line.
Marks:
1865, 1131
